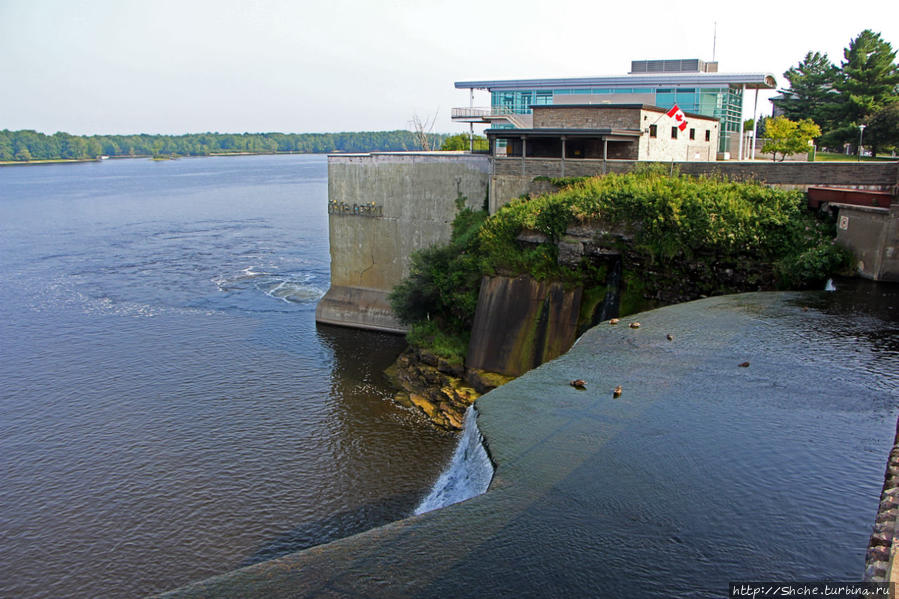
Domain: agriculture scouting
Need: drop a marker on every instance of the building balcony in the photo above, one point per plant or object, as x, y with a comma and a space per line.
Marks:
492, 114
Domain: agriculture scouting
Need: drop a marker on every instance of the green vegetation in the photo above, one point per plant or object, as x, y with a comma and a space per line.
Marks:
462, 141
786, 137
439, 297
29, 145
678, 227
863, 90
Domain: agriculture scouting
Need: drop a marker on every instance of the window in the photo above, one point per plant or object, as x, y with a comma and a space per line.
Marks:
674, 133
708, 135
653, 130
692, 133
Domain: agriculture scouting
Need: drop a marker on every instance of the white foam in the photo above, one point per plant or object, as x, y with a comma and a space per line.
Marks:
468, 474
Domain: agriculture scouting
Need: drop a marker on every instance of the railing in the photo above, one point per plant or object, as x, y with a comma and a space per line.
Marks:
471, 111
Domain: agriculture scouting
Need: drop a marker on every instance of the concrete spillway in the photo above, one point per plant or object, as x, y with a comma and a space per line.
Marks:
701, 473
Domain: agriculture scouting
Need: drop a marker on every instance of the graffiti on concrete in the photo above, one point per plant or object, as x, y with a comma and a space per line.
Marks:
369, 209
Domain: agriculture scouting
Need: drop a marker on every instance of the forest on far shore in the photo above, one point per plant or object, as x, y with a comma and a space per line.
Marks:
28, 145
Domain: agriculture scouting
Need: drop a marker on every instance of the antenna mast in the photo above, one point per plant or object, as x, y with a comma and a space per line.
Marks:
714, 40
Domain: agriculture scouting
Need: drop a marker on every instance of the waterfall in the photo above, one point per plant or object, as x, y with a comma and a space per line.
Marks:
830, 286
610, 303
469, 471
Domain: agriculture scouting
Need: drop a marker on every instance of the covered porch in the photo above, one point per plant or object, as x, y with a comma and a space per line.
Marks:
564, 145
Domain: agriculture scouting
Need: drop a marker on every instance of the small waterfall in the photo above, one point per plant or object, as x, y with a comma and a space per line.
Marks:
610, 302
830, 286
468, 474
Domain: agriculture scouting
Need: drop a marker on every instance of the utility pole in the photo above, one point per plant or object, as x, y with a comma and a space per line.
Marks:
861, 132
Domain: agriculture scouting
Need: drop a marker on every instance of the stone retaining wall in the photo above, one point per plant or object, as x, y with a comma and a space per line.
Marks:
879, 560
879, 176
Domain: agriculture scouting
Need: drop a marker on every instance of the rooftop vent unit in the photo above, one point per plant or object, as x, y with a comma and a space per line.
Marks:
685, 65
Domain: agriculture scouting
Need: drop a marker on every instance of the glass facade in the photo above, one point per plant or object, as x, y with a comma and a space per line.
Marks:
724, 103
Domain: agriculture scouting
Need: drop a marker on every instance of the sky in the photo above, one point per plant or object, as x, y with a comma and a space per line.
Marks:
190, 66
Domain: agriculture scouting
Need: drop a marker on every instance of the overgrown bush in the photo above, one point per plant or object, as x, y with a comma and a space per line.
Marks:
441, 291
672, 220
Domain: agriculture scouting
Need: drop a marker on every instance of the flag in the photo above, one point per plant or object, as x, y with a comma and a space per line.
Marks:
678, 115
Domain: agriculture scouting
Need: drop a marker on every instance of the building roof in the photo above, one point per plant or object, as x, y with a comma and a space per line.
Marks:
750, 80
558, 131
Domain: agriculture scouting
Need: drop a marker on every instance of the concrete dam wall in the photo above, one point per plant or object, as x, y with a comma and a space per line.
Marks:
381, 208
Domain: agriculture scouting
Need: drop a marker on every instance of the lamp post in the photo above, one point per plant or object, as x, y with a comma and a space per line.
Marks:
861, 131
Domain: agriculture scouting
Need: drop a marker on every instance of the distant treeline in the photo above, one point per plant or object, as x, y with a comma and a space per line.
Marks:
31, 145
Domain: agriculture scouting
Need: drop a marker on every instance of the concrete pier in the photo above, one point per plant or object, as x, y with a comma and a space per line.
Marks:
382, 207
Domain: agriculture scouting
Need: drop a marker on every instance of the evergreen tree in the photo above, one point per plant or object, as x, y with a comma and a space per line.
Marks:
870, 76
811, 94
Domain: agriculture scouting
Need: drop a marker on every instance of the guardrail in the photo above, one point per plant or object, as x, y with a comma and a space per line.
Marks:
471, 111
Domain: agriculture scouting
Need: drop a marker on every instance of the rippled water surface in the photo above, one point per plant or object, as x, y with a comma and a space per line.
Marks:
168, 408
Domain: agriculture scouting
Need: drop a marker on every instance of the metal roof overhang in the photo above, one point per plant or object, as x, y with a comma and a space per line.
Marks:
750, 80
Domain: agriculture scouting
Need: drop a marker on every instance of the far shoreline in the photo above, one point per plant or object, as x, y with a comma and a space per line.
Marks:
52, 161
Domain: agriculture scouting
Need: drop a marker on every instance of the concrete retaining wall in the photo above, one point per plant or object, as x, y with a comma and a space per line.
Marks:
382, 207
873, 236
521, 323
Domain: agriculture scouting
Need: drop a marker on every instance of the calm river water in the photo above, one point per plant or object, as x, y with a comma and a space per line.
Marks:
168, 408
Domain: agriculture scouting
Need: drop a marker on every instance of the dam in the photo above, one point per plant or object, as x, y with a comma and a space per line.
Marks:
702, 472
383, 206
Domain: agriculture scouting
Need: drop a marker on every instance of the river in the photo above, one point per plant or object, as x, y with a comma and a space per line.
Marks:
169, 409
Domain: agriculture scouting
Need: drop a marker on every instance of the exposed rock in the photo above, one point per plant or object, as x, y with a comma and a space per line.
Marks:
484, 381
426, 406
430, 386
447, 367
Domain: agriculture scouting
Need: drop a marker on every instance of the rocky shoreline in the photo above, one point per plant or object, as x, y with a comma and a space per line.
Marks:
440, 390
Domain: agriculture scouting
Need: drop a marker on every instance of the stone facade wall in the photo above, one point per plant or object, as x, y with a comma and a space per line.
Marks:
582, 117
664, 148
382, 207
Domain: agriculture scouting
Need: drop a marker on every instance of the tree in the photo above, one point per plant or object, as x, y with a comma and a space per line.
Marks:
422, 130
869, 77
883, 129
789, 137
460, 141
811, 94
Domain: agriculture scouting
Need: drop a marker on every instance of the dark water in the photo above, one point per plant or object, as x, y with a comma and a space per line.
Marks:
168, 408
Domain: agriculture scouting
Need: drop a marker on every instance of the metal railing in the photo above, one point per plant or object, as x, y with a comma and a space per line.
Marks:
480, 111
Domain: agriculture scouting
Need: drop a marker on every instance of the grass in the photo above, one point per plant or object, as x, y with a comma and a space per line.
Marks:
836, 157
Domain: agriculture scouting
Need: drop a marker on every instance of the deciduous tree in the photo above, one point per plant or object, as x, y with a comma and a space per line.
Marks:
789, 137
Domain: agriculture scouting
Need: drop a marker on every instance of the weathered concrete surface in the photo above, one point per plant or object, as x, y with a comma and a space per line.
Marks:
702, 472
521, 323
358, 307
383, 207
873, 236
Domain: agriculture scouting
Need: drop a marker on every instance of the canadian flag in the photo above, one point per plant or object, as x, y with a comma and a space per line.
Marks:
678, 115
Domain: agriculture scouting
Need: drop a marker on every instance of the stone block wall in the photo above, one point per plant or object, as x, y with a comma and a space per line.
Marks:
878, 176
585, 117
665, 148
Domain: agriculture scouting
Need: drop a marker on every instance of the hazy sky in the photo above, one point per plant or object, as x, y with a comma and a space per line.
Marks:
161, 66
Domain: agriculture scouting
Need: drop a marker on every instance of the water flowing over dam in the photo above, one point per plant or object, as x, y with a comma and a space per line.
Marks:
748, 444
469, 471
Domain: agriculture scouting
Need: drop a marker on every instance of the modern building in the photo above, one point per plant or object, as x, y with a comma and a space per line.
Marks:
694, 85
587, 133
